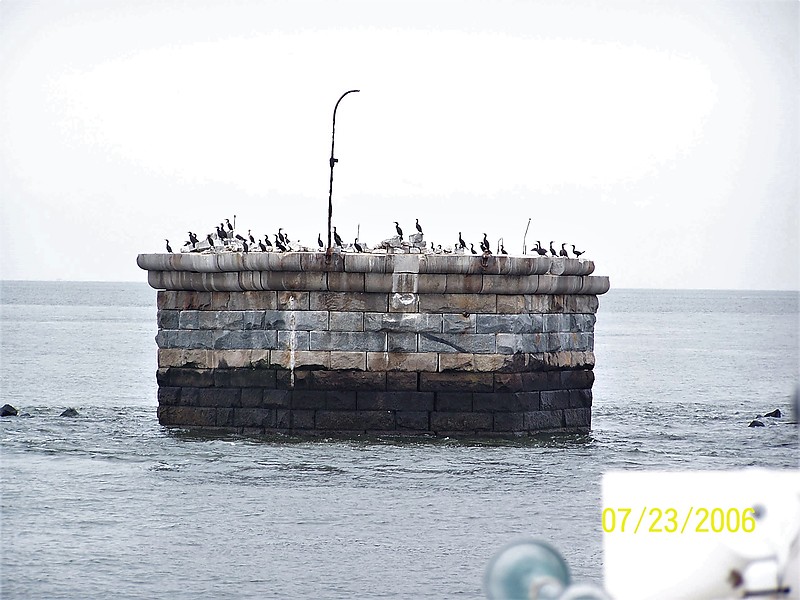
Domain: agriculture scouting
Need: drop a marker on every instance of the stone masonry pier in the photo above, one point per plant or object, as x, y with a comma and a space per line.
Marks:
309, 344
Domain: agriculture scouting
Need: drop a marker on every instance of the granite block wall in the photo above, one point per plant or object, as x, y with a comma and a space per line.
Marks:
379, 344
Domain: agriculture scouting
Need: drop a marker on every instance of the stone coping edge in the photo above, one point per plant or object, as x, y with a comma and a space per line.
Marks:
365, 263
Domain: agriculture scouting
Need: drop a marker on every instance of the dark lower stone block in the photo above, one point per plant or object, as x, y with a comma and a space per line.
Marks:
461, 421
225, 417
187, 416
333, 380
251, 397
283, 419
399, 381
302, 419
578, 417
580, 398
541, 420
509, 422
456, 382
359, 420
244, 377
577, 379
340, 400
453, 401
532, 381
185, 377
412, 419
506, 402
415, 401
276, 399
307, 399
218, 397
169, 396
253, 417
555, 399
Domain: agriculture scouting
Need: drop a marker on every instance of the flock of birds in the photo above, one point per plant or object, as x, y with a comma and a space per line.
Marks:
225, 236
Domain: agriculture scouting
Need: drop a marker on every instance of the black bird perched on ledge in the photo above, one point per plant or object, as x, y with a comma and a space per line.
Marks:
262, 246
461, 242
228, 223
472, 248
419, 228
252, 239
563, 252
240, 238
279, 244
577, 253
397, 227
552, 250
266, 240
210, 240
539, 250
337, 238
485, 243
319, 241
244, 245
357, 246
169, 248
502, 249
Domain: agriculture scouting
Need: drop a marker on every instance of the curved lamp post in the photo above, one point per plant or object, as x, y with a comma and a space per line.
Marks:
333, 161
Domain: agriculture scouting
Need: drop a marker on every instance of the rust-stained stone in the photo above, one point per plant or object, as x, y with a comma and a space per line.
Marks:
461, 303
456, 361
318, 359
401, 361
343, 361
230, 358
249, 300
456, 382
346, 301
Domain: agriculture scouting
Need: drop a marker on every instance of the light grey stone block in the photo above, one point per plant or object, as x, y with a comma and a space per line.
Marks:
404, 303
345, 282
432, 284
457, 342
511, 343
346, 341
404, 283
297, 320
377, 282
403, 322
189, 319
255, 339
459, 323
401, 342
300, 341
253, 319
168, 319
346, 321
519, 323
552, 323
221, 319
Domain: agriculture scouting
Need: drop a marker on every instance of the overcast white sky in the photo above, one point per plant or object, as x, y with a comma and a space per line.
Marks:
660, 137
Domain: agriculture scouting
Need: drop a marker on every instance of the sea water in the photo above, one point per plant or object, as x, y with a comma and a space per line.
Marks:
110, 504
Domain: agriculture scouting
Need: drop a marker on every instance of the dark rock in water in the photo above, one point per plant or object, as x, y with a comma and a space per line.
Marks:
8, 411
775, 413
70, 412
756, 424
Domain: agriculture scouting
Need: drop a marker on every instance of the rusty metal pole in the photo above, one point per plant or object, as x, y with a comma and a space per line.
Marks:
333, 161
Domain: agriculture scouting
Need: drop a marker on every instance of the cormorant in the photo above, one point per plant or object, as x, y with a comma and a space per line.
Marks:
577, 253
169, 248
193, 239
240, 238
279, 244
485, 243
472, 248
502, 249
262, 246
337, 238
358, 246
266, 240
228, 223
539, 250
461, 242
210, 240
418, 226
252, 239
563, 251
397, 227
319, 241
552, 250
281, 237
244, 245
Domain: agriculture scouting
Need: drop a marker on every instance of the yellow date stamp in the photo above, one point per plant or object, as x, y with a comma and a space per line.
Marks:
655, 519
